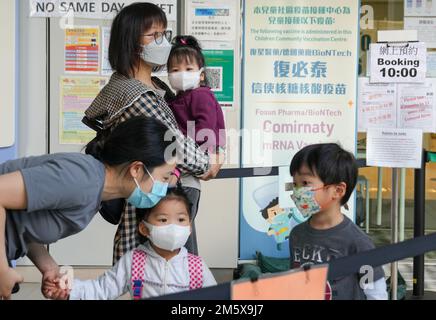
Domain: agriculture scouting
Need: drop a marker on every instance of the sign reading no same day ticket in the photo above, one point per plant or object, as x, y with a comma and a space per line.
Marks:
300, 73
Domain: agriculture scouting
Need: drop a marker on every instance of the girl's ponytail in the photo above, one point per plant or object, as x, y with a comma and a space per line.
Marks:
186, 48
189, 41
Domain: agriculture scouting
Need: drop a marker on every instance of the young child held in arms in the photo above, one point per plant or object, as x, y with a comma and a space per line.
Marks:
324, 177
195, 102
160, 266
197, 112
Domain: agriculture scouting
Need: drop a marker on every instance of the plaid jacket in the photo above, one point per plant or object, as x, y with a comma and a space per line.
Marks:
122, 99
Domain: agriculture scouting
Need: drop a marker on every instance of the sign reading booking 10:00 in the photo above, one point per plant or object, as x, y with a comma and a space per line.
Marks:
398, 62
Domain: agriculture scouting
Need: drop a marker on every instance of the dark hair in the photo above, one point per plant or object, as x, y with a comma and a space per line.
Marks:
128, 28
186, 49
330, 163
273, 203
172, 194
136, 139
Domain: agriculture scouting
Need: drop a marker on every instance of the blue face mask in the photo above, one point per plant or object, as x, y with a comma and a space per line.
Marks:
142, 200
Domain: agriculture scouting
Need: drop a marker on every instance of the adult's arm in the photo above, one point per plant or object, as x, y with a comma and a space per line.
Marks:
190, 156
49, 269
209, 119
39, 255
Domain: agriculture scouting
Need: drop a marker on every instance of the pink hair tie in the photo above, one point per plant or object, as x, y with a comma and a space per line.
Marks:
183, 41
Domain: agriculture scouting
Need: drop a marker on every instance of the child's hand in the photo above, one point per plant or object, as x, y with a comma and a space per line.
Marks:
55, 285
53, 289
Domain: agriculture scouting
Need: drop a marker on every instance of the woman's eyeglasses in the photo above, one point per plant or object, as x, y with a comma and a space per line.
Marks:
159, 36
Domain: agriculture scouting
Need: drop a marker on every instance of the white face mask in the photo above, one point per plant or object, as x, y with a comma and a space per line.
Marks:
185, 80
170, 237
156, 54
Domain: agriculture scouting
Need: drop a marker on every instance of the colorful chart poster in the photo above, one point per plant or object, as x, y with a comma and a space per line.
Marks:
220, 74
295, 93
106, 69
82, 50
376, 105
77, 94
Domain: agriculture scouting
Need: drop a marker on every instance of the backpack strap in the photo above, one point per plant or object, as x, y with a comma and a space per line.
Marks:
138, 267
195, 272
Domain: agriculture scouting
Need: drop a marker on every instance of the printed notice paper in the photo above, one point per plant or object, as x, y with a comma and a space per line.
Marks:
376, 105
394, 148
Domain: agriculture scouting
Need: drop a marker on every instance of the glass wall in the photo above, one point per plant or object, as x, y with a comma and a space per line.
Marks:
389, 15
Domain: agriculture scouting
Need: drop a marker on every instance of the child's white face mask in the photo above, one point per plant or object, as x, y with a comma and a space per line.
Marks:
170, 237
185, 80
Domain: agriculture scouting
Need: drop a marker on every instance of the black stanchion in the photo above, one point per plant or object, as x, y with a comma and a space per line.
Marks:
236, 173
418, 292
419, 227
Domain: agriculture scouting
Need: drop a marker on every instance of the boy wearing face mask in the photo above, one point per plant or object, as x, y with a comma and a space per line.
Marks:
196, 107
158, 267
324, 177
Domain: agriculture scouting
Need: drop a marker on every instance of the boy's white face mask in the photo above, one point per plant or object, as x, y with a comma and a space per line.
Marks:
185, 80
170, 237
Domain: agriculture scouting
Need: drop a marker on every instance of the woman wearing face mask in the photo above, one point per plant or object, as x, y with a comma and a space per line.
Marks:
195, 105
139, 45
47, 198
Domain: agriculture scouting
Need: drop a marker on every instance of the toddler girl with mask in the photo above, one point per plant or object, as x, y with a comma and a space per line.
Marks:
197, 112
195, 102
158, 267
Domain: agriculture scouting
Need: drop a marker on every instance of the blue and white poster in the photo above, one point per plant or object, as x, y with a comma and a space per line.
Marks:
300, 86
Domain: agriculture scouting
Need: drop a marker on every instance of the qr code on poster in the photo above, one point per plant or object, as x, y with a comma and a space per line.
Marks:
214, 76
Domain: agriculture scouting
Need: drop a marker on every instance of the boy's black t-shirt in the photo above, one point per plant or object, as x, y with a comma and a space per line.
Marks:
312, 246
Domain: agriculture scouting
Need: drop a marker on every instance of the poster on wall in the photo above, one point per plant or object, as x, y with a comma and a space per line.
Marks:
431, 64
405, 106
77, 94
220, 65
398, 63
96, 9
106, 69
425, 28
419, 8
212, 20
376, 105
416, 106
295, 94
82, 45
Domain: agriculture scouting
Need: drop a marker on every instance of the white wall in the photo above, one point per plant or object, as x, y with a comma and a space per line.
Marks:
33, 85
7, 78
